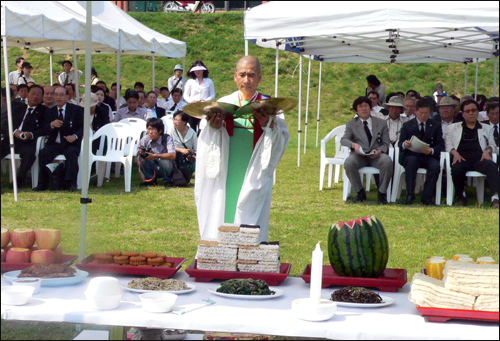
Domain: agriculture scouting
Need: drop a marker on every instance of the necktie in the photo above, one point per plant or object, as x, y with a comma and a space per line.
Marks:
422, 130
30, 110
173, 108
60, 117
495, 134
368, 133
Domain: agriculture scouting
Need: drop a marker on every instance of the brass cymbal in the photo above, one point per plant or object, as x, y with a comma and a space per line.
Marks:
199, 109
269, 105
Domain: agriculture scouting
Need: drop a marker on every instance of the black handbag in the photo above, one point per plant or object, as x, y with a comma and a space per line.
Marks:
179, 178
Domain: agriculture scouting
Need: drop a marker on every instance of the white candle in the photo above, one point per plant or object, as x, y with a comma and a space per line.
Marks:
316, 275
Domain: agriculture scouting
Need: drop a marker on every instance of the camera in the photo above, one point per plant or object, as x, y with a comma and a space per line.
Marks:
190, 157
144, 151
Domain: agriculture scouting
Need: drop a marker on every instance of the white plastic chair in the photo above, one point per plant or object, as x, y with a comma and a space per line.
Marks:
168, 120
368, 172
117, 135
34, 168
337, 160
398, 179
478, 180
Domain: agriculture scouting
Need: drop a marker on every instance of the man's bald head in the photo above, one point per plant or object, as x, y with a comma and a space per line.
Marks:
248, 60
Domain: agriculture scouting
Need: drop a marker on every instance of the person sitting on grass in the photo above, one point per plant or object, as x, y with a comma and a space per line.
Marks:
185, 139
156, 154
471, 145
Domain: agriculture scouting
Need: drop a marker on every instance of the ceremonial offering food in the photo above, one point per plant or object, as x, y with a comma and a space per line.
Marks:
5, 237
48, 271
18, 255
355, 295
47, 238
16, 295
153, 283
30, 282
245, 287
435, 267
44, 256
485, 260
158, 302
24, 238
358, 248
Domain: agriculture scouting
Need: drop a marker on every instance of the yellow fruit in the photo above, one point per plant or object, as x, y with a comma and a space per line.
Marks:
466, 260
435, 267
456, 257
486, 260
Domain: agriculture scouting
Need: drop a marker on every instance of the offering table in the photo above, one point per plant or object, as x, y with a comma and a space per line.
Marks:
273, 317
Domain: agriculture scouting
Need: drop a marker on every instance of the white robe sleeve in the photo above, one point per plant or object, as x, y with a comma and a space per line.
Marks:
210, 183
254, 201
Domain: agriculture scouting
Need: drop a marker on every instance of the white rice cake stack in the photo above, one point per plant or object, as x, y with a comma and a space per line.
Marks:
255, 266
209, 249
239, 235
487, 303
262, 253
431, 292
472, 279
212, 264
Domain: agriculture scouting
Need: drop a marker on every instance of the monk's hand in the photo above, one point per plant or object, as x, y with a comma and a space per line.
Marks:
263, 117
216, 120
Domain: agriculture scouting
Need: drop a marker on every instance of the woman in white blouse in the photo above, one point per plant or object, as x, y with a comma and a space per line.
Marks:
25, 77
199, 88
185, 139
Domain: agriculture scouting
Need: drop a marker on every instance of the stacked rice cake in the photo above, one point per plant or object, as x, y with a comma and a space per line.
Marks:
262, 258
239, 235
213, 255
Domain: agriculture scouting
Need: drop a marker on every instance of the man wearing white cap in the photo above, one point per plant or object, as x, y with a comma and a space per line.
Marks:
177, 81
236, 159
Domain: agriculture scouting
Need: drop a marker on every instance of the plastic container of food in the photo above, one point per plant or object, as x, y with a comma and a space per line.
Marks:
16, 295
34, 282
104, 293
158, 302
306, 310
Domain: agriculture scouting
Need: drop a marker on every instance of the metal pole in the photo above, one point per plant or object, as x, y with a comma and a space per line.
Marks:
76, 72
153, 88
51, 76
276, 73
9, 117
226, 6
86, 129
246, 47
307, 101
495, 78
475, 87
319, 102
118, 68
465, 81
300, 107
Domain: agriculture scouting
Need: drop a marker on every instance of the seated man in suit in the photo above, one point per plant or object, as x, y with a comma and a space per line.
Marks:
428, 131
28, 124
470, 143
64, 122
368, 139
153, 111
492, 109
176, 104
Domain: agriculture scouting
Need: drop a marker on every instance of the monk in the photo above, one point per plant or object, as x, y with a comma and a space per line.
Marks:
236, 160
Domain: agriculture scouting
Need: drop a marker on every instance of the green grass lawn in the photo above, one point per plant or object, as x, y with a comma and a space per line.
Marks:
155, 219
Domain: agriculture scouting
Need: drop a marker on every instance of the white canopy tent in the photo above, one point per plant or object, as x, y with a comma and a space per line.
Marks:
380, 32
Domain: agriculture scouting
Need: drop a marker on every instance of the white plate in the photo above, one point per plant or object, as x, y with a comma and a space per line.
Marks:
385, 302
192, 288
278, 293
53, 282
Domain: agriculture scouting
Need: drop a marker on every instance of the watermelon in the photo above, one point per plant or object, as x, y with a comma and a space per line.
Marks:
358, 248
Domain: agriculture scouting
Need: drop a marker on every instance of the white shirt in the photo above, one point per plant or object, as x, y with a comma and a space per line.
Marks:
13, 77
21, 79
369, 120
25, 114
197, 92
58, 138
444, 125
168, 105
173, 81
377, 108
70, 76
395, 126
410, 117
190, 140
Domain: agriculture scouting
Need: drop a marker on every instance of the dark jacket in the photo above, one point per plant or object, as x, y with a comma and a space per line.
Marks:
34, 123
73, 124
433, 136
160, 112
101, 118
111, 102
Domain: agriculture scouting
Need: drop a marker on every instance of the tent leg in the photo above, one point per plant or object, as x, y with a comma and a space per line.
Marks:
153, 87
118, 68
77, 90
307, 102
319, 102
9, 117
51, 71
300, 107
276, 73
465, 80
475, 87
184, 66
495, 77
246, 47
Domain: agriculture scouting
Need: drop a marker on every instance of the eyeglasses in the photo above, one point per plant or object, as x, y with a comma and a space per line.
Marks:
471, 111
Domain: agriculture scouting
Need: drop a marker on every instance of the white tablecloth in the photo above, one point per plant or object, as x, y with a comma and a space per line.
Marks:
274, 317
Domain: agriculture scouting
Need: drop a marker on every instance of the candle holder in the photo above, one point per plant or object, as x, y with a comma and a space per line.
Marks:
308, 310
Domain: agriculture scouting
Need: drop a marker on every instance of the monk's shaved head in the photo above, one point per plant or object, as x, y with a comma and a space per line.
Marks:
249, 60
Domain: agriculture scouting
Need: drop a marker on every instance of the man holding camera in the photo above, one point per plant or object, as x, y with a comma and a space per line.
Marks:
156, 154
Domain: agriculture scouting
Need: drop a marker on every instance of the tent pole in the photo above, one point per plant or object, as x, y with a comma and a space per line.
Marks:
475, 87
319, 102
51, 76
118, 68
9, 117
86, 128
300, 107
276, 73
77, 90
465, 80
153, 87
184, 66
495, 77
307, 101
246, 47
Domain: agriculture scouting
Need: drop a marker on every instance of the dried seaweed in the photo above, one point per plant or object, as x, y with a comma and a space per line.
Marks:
355, 295
245, 287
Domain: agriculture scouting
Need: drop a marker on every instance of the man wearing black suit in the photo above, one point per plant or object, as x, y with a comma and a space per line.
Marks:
154, 111
428, 131
65, 125
28, 124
